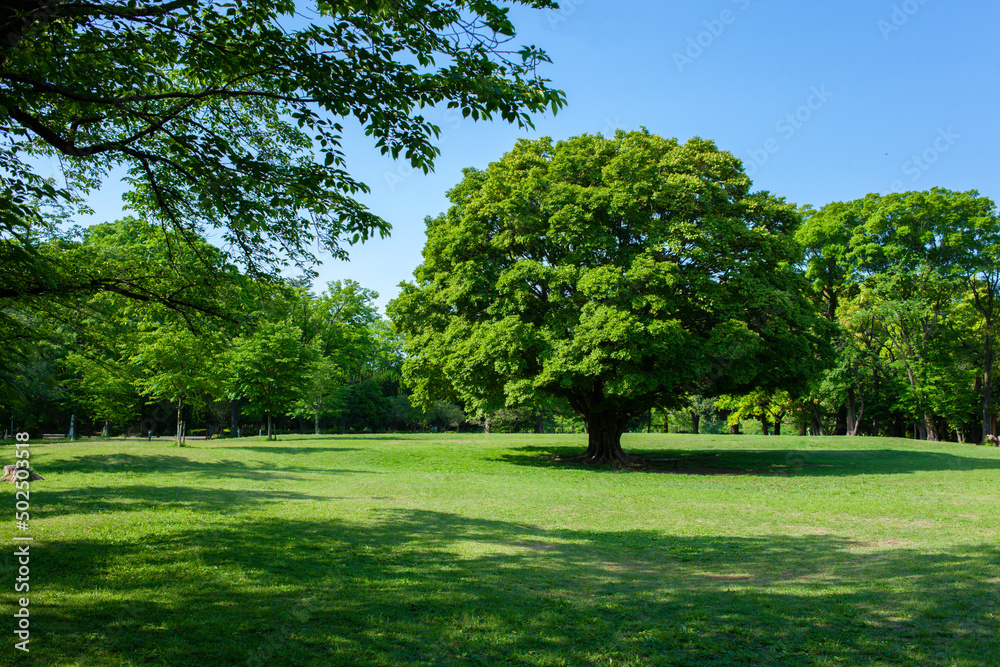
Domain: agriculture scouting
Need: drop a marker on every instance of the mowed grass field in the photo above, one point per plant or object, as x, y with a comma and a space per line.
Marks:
481, 550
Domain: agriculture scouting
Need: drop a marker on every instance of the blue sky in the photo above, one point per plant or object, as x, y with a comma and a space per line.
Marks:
822, 100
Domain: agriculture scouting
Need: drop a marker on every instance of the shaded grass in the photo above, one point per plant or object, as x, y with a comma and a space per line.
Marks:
416, 550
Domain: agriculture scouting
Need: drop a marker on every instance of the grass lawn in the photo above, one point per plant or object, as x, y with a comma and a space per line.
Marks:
479, 549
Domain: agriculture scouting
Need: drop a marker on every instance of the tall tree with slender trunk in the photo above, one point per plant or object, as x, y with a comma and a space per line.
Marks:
271, 368
181, 366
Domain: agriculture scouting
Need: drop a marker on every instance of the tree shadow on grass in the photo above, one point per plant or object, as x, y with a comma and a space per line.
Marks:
811, 462
419, 587
291, 438
291, 448
131, 498
163, 464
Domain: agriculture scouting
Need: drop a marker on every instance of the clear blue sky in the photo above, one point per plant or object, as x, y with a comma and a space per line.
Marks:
823, 100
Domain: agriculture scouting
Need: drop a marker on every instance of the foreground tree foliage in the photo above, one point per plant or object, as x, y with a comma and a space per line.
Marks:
616, 274
217, 110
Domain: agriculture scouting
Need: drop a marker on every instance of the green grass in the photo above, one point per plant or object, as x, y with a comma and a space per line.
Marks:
472, 549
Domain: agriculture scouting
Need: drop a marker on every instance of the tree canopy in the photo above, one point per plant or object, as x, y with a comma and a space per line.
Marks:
228, 116
616, 274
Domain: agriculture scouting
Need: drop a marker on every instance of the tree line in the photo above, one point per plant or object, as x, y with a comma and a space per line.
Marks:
550, 297
241, 356
225, 355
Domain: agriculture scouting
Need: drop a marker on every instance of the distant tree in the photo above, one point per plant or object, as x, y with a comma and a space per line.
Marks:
342, 321
975, 241
365, 407
615, 274
270, 368
320, 396
767, 407
355, 347
401, 415
699, 406
181, 366
443, 416
105, 389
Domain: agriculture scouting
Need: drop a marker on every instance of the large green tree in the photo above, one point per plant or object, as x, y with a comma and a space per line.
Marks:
339, 323
229, 115
617, 274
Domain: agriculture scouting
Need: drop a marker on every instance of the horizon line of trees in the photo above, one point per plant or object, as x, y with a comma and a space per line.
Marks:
907, 284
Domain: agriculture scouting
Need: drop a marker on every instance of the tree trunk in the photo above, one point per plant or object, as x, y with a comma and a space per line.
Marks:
234, 418
695, 422
841, 427
777, 427
269, 426
764, 426
734, 429
855, 416
987, 394
817, 423
604, 440
180, 408
316, 423
852, 417
930, 428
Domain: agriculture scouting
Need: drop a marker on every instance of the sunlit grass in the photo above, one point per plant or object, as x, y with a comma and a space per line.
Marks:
473, 549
